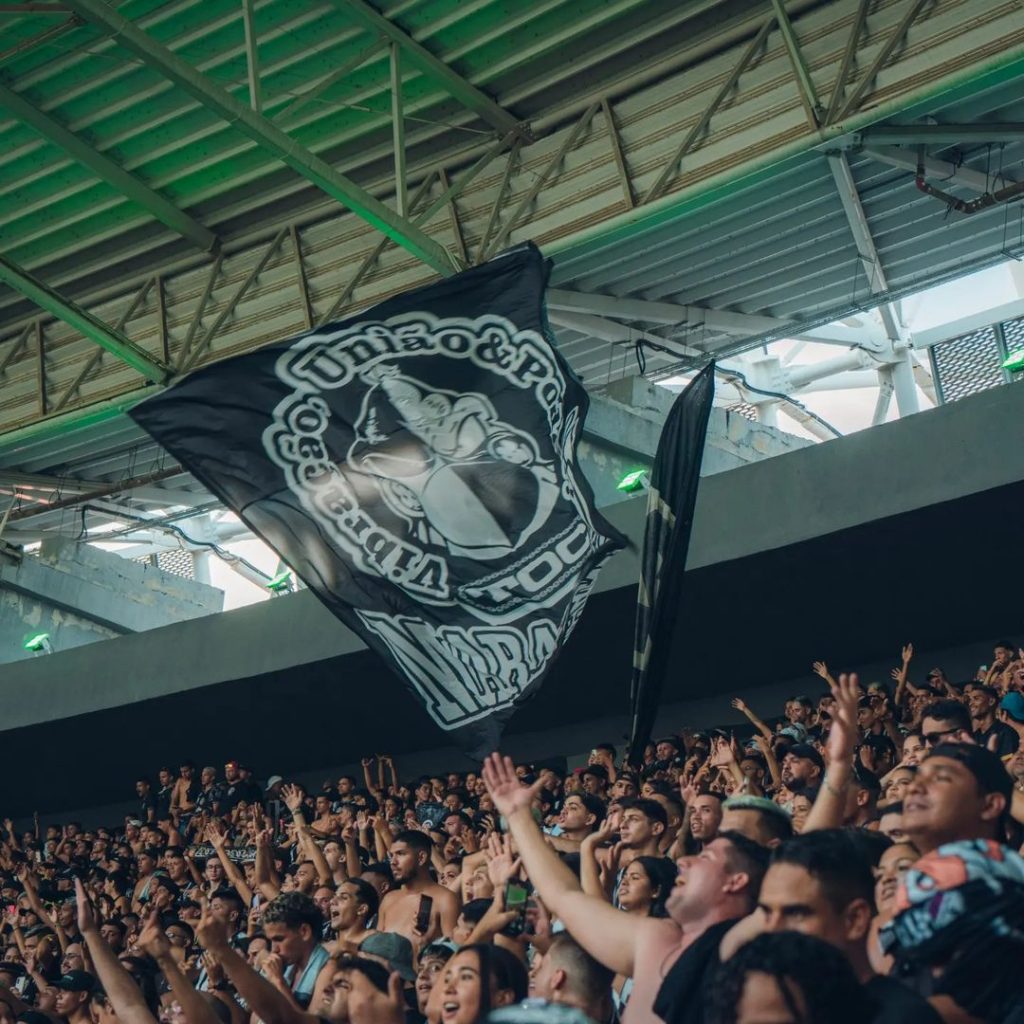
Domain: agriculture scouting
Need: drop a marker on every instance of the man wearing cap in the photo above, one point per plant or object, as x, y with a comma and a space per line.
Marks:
960, 791
73, 991
392, 950
997, 736
802, 769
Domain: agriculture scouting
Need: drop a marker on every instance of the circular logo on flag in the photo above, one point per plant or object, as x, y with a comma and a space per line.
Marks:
437, 454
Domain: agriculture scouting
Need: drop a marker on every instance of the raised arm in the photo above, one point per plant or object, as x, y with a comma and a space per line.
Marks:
900, 675
153, 941
590, 869
263, 872
292, 797
830, 802
216, 837
756, 722
28, 880
123, 993
609, 935
264, 999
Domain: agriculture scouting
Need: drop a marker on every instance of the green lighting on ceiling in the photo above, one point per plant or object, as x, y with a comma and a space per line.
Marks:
1015, 361
39, 642
632, 481
281, 582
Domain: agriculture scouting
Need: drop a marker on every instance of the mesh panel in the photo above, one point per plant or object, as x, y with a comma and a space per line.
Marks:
177, 563
744, 409
1013, 331
968, 364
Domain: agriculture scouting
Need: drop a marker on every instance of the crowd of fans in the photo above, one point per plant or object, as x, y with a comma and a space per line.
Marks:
855, 860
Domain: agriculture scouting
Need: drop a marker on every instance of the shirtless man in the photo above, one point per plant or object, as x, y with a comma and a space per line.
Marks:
410, 864
355, 902
717, 886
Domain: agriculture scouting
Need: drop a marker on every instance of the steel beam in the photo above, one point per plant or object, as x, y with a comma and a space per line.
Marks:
398, 131
905, 159
863, 87
112, 173
808, 94
266, 135
426, 63
944, 134
741, 324
861, 231
967, 324
82, 320
609, 330
252, 56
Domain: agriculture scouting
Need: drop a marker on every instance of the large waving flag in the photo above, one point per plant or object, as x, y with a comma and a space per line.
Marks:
416, 466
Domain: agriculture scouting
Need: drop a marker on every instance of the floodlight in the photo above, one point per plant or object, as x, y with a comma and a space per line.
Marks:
636, 480
1015, 361
39, 643
281, 583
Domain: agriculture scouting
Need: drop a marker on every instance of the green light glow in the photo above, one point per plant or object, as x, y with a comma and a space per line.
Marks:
37, 642
282, 581
632, 481
1015, 361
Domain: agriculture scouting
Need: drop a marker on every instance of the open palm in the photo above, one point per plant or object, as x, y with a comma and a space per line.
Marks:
507, 792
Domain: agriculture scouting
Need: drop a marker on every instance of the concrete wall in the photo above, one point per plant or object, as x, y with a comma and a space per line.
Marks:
79, 594
623, 427
960, 449
575, 739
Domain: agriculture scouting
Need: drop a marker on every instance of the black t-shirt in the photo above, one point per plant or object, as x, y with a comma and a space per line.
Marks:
680, 999
163, 802
1007, 741
147, 803
898, 1004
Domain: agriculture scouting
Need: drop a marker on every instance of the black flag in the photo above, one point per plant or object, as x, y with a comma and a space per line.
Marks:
670, 503
416, 467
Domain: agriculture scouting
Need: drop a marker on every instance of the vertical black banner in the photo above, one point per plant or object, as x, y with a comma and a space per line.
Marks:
670, 503
416, 466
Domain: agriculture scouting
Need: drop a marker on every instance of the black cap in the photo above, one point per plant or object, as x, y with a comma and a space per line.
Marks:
76, 981
985, 766
807, 752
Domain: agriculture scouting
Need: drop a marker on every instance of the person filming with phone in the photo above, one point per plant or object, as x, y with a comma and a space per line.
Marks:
419, 908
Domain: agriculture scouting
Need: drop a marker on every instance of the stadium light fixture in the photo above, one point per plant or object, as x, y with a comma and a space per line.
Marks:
281, 583
1015, 361
635, 480
39, 643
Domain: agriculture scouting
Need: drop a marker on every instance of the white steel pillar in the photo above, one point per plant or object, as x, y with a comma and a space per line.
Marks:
904, 385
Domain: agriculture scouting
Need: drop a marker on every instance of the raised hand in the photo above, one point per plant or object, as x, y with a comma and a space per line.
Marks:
368, 1005
292, 796
211, 932
843, 735
86, 915
821, 669
216, 835
907, 653
152, 939
507, 792
501, 863
739, 704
